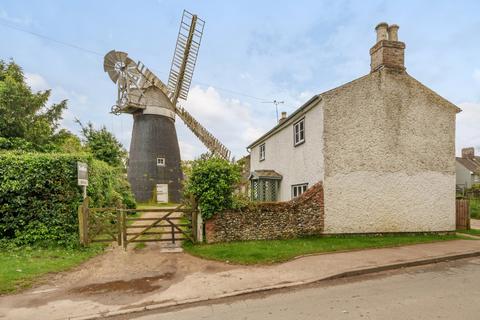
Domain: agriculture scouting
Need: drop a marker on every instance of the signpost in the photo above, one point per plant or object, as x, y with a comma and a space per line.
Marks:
82, 169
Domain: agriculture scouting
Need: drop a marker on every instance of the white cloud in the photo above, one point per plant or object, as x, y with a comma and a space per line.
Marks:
26, 21
468, 126
229, 120
188, 151
36, 82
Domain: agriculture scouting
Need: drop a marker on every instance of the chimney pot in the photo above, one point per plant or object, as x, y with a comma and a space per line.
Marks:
393, 32
387, 52
381, 29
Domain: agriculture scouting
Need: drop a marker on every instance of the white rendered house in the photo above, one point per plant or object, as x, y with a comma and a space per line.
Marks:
383, 146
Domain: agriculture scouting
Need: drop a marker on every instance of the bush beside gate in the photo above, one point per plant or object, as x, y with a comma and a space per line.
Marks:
39, 195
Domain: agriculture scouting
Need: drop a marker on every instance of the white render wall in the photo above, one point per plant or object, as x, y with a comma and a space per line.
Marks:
389, 157
366, 201
301, 164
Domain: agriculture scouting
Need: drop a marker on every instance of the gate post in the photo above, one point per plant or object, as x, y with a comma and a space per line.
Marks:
199, 227
83, 222
119, 228
124, 230
194, 225
197, 222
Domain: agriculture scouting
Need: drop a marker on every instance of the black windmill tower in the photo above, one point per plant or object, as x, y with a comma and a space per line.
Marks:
154, 170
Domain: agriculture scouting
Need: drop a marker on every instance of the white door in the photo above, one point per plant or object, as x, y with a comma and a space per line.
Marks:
162, 192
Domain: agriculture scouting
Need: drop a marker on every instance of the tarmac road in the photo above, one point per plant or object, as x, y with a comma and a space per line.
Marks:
448, 290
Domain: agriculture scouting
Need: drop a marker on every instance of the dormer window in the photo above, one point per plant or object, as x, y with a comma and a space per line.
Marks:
262, 151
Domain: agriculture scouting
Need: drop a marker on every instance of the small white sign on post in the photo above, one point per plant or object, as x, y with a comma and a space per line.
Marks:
82, 169
82, 177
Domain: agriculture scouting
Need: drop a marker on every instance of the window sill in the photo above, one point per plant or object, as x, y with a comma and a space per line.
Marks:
299, 143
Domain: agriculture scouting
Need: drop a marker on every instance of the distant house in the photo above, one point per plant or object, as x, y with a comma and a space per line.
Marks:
382, 145
467, 169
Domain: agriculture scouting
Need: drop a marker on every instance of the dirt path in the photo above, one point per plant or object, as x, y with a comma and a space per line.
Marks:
119, 276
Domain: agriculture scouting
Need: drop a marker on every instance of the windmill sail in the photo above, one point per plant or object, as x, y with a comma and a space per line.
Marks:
185, 55
135, 80
180, 79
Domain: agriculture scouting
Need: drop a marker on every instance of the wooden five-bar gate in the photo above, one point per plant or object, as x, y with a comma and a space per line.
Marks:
126, 226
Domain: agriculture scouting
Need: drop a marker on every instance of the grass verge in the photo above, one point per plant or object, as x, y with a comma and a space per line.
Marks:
20, 267
473, 232
273, 251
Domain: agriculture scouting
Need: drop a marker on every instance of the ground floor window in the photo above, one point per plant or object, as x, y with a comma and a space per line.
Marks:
264, 185
298, 189
264, 190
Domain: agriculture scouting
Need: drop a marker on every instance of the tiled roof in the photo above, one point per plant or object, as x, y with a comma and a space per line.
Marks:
268, 174
472, 164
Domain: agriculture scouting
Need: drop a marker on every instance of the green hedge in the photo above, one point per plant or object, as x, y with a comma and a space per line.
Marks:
39, 195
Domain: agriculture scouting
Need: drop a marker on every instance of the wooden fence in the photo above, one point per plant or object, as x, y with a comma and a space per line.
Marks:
125, 226
462, 214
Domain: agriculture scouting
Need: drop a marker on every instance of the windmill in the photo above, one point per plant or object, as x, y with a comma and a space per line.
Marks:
154, 170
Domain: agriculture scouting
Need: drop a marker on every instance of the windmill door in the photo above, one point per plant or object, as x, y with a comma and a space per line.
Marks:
162, 192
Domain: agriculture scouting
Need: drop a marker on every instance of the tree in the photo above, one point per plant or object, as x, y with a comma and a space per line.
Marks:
24, 115
103, 145
67, 142
211, 183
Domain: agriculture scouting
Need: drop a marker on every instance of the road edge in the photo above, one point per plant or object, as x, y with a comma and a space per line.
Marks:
346, 274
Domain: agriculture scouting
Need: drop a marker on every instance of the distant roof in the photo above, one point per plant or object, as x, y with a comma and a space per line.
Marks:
266, 174
472, 164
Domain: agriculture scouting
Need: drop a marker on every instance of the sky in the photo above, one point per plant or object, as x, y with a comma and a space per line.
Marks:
252, 52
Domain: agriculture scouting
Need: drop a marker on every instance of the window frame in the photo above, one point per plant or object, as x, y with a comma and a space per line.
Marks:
302, 187
261, 155
300, 141
161, 162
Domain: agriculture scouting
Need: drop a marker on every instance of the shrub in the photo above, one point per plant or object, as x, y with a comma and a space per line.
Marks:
108, 186
39, 195
20, 144
211, 183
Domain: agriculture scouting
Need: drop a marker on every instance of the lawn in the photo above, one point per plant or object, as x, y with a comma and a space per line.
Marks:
19, 268
272, 251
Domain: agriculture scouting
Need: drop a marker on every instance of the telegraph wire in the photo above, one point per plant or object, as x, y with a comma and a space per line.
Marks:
7, 24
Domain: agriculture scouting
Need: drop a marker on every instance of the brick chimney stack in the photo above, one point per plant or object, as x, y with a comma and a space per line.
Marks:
283, 118
388, 52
